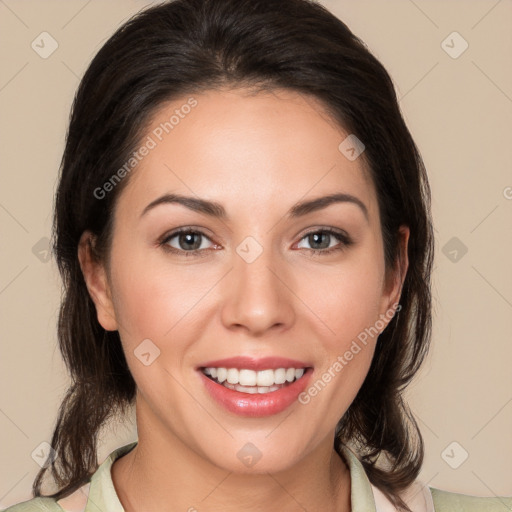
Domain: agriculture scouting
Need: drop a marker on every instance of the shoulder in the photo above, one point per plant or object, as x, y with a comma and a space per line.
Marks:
76, 501
445, 501
40, 504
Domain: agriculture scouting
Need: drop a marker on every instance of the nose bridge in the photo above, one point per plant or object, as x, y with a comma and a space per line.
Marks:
256, 296
254, 262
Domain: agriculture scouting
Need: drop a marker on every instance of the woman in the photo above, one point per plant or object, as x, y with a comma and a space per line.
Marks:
242, 225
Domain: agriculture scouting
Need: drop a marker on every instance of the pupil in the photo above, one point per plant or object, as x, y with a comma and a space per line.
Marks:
316, 236
188, 237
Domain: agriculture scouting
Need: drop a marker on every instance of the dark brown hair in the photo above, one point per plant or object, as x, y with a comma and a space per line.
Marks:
183, 47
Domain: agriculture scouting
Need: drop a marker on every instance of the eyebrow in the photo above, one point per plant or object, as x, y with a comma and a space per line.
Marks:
216, 210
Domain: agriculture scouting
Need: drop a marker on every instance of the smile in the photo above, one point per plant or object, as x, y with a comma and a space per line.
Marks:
255, 387
249, 381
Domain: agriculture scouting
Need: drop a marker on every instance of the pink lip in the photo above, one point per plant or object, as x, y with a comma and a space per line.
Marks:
249, 363
256, 405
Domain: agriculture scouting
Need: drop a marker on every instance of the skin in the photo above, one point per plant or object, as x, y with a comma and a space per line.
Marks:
257, 155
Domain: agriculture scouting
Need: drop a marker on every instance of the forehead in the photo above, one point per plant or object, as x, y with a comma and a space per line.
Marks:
245, 150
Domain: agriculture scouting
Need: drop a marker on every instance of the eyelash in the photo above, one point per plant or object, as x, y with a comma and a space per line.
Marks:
345, 242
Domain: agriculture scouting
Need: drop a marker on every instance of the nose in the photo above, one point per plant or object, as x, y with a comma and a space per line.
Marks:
257, 296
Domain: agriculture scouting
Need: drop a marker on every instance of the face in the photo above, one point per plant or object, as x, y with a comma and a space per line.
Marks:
280, 285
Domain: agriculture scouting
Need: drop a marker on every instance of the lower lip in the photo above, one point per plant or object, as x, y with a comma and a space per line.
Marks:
256, 405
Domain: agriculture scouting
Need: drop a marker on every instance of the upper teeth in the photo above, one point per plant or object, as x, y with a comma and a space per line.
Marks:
246, 377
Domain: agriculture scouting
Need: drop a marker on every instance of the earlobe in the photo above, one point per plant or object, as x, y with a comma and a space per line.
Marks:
97, 283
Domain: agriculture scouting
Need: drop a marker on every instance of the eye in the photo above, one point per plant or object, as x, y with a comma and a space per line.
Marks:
321, 238
188, 242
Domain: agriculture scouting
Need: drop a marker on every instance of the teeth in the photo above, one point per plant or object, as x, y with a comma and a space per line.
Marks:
251, 381
244, 389
248, 378
222, 373
280, 376
263, 378
253, 389
232, 376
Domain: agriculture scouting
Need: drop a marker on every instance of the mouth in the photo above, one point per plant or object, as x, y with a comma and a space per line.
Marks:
249, 381
255, 387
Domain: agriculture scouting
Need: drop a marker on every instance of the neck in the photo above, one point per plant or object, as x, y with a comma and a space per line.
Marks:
162, 473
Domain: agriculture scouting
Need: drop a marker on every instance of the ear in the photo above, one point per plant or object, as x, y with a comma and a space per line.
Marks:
395, 277
95, 277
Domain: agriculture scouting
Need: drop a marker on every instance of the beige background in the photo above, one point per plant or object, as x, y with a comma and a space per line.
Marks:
459, 111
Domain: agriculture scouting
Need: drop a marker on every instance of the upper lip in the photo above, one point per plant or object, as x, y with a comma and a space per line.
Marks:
250, 363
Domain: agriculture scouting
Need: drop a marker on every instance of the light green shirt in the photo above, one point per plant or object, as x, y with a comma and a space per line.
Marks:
99, 494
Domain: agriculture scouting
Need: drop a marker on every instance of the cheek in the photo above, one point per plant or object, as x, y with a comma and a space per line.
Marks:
349, 306
148, 299
346, 298
153, 303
